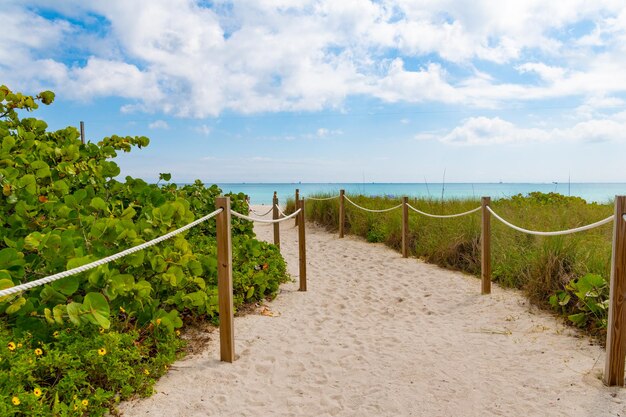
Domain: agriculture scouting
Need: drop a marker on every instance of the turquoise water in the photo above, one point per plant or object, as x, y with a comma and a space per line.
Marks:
262, 193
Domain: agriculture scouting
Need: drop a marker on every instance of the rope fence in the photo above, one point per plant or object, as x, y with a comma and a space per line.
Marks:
616, 328
371, 210
224, 262
323, 199
258, 220
554, 233
263, 214
443, 216
87, 267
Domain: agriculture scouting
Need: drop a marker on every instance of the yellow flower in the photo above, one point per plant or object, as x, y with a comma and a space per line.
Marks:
177, 332
11, 346
55, 334
15, 401
122, 310
158, 321
102, 351
38, 352
37, 392
19, 345
101, 330
85, 403
145, 371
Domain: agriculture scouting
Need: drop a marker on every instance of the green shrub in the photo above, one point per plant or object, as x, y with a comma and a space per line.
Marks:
61, 208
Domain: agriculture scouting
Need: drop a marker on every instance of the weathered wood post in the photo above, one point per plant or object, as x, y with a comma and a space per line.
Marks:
296, 203
616, 327
301, 244
225, 280
405, 227
275, 216
342, 211
82, 132
485, 244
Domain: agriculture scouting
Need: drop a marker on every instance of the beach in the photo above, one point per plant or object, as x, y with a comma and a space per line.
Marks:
379, 335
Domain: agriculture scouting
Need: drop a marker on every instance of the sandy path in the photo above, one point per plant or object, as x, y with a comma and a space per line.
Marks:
378, 335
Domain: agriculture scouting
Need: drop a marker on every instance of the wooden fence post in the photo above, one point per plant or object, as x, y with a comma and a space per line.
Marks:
225, 280
275, 216
342, 211
616, 327
302, 245
405, 227
82, 132
485, 242
296, 203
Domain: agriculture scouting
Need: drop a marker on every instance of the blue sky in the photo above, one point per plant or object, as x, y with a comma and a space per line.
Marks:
334, 91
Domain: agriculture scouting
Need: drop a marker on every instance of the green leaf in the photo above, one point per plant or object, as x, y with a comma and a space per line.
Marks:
143, 289
51, 296
10, 257
47, 97
67, 286
165, 176
5, 283
32, 241
76, 262
16, 306
74, 313
42, 169
29, 183
8, 143
565, 299
58, 312
250, 292
97, 309
579, 319
128, 213
158, 263
99, 204
48, 315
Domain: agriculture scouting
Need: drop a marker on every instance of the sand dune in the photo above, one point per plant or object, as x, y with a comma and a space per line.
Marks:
378, 335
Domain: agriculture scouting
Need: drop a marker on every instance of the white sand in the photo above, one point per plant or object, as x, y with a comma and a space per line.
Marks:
378, 335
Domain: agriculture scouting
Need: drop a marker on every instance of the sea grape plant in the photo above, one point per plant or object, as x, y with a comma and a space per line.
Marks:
62, 206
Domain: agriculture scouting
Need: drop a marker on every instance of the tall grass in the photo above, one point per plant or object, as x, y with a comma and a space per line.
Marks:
540, 266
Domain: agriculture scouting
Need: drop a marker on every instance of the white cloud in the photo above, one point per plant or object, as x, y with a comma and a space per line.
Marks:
159, 124
182, 58
323, 132
481, 131
204, 130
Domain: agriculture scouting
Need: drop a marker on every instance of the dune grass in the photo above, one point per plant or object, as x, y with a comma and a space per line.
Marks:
541, 266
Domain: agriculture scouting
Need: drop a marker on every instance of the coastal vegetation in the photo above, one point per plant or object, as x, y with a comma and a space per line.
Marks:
568, 274
79, 345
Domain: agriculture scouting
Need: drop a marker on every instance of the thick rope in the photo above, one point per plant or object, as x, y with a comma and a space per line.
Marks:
322, 199
555, 233
443, 216
253, 219
264, 214
103, 261
281, 212
370, 210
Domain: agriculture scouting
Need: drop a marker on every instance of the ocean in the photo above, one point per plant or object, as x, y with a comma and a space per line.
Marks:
262, 193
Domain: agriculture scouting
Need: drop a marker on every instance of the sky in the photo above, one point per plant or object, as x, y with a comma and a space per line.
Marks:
334, 91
